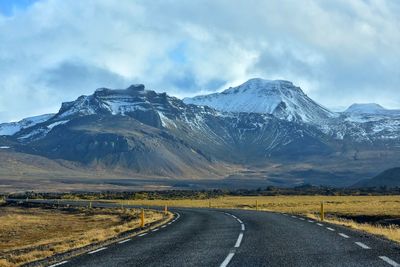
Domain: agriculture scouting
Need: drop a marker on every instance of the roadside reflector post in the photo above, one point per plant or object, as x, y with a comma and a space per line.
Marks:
90, 204
322, 212
142, 218
165, 209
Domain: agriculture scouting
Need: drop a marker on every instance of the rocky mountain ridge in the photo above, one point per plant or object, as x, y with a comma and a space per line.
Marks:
139, 131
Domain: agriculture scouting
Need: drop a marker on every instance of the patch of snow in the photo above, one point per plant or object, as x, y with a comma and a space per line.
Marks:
37, 133
9, 128
14, 127
5, 147
122, 107
51, 126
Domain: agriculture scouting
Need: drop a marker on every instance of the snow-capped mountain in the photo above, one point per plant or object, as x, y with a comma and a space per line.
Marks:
261, 121
279, 98
368, 108
14, 127
371, 109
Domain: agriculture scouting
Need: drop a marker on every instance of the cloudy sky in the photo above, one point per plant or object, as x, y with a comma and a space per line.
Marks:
339, 51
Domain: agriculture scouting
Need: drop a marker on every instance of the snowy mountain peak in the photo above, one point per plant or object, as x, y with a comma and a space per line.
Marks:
119, 102
369, 108
278, 97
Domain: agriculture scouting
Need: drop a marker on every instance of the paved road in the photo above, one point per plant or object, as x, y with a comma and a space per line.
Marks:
202, 237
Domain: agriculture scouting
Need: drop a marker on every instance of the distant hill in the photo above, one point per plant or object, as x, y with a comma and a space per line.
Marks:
389, 178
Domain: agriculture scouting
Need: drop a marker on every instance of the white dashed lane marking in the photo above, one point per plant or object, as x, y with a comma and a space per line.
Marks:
344, 235
390, 261
227, 259
362, 245
155, 230
330, 229
239, 240
237, 244
320, 224
97, 250
124, 241
58, 264
143, 234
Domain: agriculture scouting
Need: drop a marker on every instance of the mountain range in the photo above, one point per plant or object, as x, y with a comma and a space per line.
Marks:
264, 132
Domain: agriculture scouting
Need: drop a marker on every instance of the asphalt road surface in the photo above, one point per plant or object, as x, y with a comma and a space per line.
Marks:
207, 237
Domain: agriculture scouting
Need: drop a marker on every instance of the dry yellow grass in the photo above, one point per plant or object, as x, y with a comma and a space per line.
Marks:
28, 234
335, 208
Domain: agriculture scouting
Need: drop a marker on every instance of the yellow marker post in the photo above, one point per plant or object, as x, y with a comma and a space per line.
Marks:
90, 204
166, 209
142, 219
322, 212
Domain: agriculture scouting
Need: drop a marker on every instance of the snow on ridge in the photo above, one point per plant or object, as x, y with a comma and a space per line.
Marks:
14, 127
280, 98
57, 123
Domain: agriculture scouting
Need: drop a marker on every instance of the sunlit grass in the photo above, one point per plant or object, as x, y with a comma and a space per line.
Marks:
28, 234
336, 207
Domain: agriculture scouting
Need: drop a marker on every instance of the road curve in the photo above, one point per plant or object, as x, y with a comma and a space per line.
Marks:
207, 237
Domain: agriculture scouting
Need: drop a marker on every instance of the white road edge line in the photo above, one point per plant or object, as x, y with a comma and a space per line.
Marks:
239, 220
227, 259
302, 219
344, 235
163, 226
58, 264
155, 230
124, 241
320, 224
330, 229
239, 240
143, 234
362, 245
310, 221
243, 228
390, 261
97, 250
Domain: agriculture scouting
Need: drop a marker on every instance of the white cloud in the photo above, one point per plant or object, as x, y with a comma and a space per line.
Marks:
340, 52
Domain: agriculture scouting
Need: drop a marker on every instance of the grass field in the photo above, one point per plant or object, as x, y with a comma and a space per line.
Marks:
372, 214
28, 234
